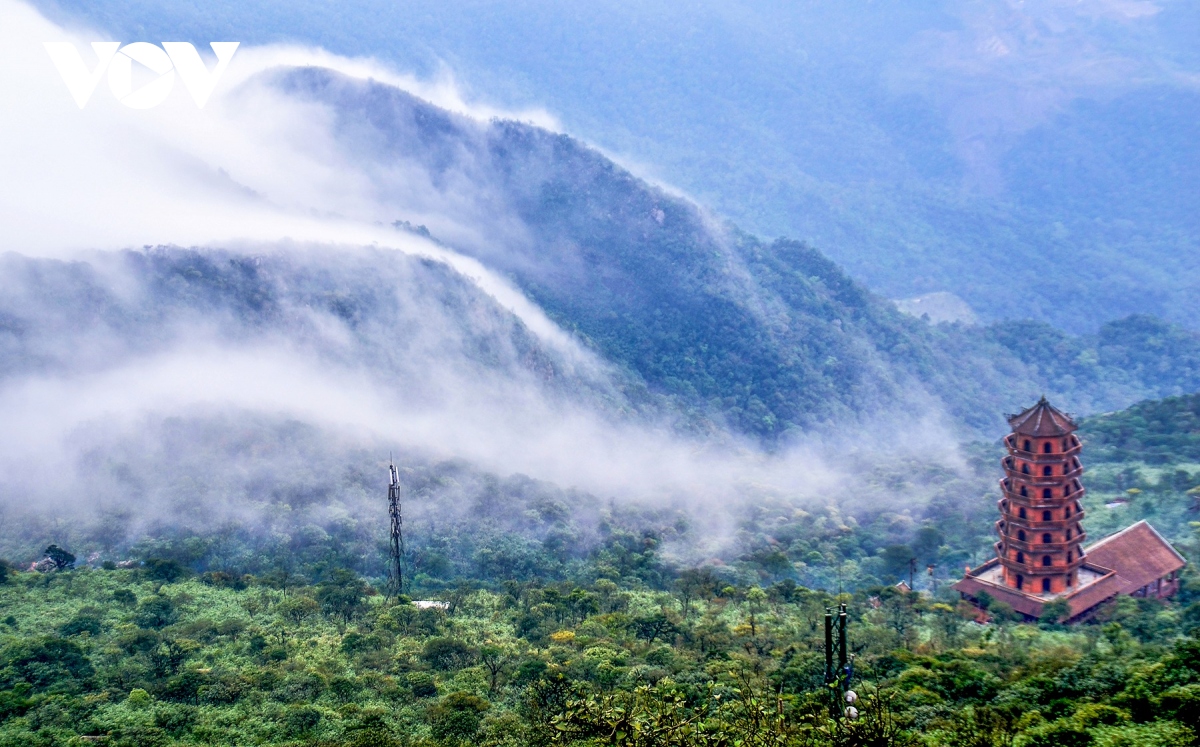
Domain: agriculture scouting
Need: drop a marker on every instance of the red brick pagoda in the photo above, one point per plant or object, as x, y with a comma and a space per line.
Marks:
1040, 535
1040, 555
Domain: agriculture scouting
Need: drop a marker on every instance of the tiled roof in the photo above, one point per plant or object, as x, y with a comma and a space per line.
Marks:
1098, 591
1081, 600
1138, 554
1043, 419
1026, 604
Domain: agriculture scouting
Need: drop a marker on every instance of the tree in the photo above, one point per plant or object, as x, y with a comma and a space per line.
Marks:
156, 612
167, 571
44, 662
342, 594
755, 598
652, 627
1055, 612
447, 653
61, 559
495, 659
296, 609
455, 720
696, 583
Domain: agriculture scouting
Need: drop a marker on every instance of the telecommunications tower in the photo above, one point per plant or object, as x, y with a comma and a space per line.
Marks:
396, 550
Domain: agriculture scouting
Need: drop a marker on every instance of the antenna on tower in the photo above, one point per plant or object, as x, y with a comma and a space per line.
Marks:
396, 550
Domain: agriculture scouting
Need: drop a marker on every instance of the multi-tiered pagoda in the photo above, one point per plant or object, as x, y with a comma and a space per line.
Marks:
1041, 540
1040, 554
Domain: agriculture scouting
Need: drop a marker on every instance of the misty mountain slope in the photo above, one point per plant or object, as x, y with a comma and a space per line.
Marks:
925, 146
766, 337
383, 309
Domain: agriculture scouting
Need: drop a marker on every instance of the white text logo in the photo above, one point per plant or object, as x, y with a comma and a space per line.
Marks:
164, 62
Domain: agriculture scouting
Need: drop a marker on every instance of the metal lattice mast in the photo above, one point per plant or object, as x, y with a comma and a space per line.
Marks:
396, 551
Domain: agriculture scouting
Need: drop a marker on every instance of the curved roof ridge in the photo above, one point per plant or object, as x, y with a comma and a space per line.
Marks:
1042, 419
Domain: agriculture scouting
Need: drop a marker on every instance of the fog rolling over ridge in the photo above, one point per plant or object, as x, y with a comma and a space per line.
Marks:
283, 319
924, 146
338, 261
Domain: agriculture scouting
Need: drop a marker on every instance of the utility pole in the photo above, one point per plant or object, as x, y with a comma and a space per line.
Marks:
396, 550
841, 697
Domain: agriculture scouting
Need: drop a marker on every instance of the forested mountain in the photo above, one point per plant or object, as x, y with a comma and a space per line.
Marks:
924, 146
769, 336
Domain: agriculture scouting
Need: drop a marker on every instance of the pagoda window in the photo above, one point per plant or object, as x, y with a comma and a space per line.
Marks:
1020, 581
1067, 492
1067, 514
1046, 494
1068, 534
1047, 471
1065, 444
1021, 535
1024, 492
1070, 557
1046, 560
1047, 447
1047, 538
1020, 557
1025, 469
1046, 516
1045, 584
1066, 469
1022, 513
1028, 445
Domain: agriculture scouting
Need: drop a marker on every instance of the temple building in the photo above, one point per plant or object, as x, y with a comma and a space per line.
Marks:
1040, 555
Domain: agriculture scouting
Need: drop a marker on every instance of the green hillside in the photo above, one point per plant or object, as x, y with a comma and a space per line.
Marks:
769, 337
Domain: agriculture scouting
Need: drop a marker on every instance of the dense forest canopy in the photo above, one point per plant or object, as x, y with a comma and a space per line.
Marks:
192, 641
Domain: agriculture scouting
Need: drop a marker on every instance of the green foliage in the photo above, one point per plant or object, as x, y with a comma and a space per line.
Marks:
165, 570
61, 559
342, 594
44, 663
729, 655
1156, 432
156, 612
455, 719
447, 653
744, 667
